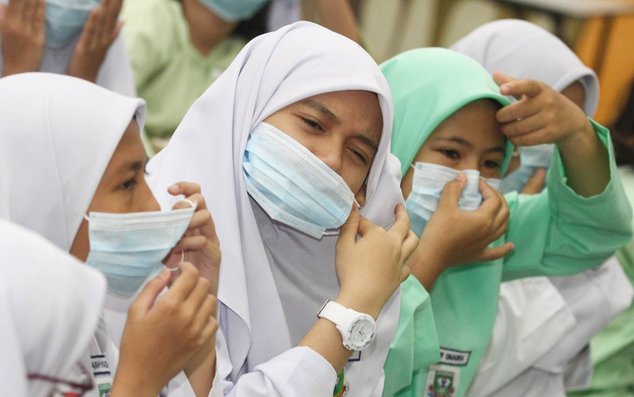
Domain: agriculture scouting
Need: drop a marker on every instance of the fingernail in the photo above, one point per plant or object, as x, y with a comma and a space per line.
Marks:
173, 187
461, 177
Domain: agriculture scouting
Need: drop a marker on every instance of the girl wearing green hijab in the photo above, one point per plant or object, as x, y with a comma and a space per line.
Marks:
450, 113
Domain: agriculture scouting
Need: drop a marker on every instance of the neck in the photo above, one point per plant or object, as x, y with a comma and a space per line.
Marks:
206, 28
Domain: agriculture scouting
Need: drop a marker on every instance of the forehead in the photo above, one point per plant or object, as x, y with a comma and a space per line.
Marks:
475, 123
130, 148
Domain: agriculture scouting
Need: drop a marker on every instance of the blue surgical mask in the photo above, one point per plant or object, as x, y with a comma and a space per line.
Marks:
531, 158
234, 10
128, 248
428, 185
292, 185
65, 20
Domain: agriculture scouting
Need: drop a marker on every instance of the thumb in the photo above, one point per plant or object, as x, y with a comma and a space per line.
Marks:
452, 191
349, 230
536, 182
152, 289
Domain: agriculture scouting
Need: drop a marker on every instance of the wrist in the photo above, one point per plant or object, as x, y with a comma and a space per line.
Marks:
582, 137
357, 302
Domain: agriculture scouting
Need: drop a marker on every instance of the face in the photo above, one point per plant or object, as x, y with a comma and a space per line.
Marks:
122, 187
342, 129
469, 139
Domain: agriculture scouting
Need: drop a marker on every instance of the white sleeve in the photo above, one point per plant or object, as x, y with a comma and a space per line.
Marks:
299, 371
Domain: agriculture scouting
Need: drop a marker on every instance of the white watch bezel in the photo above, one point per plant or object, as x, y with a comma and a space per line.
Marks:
347, 320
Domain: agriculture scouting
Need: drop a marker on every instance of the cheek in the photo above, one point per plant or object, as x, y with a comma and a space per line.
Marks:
81, 244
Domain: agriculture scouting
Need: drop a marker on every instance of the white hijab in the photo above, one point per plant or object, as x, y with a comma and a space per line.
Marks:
49, 308
525, 50
274, 70
115, 73
57, 135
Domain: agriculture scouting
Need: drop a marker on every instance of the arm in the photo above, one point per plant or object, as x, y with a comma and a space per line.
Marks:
583, 216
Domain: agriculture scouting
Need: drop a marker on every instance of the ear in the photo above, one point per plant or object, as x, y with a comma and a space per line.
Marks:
360, 196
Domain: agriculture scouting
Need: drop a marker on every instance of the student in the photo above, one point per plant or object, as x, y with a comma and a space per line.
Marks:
72, 167
181, 47
450, 115
315, 107
49, 312
543, 324
78, 38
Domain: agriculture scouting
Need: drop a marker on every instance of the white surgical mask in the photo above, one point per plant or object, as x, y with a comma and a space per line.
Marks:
293, 185
531, 158
128, 248
65, 19
428, 185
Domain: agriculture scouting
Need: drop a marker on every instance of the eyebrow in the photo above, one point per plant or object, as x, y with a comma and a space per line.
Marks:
135, 166
368, 142
464, 142
322, 109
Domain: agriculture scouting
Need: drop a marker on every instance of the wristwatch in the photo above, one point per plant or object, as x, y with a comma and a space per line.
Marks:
357, 329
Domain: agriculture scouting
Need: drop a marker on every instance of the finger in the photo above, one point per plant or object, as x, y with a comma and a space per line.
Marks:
537, 137
401, 227
206, 311
536, 182
490, 254
524, 126
28, 12
2, 14
348, 231
193, 243
148, 295
409, 246
452, 191
491, 201
197, 297
365, 226
184, 188
405, 272
518, 110
98, 26
184, 284
89, 31
502, 78
116, 31
519, 88
111, 15
40, 22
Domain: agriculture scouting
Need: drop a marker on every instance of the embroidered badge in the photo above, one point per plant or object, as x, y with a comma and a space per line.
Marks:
341, 389
442, 381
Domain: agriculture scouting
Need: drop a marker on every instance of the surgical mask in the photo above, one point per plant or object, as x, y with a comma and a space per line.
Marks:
65, 19
428, 185
531, 158
128, 248
234, 10
292, 185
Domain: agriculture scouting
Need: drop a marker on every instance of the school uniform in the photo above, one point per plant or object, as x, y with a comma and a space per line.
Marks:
266, 303
555, 233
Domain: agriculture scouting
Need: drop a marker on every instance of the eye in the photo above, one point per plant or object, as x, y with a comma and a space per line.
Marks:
130, 184
450, 153
492, 164
312, 123
359, 155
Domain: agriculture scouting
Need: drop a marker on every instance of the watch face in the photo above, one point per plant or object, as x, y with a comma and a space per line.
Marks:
361, 333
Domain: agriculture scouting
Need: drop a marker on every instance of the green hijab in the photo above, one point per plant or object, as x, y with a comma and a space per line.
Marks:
428, 85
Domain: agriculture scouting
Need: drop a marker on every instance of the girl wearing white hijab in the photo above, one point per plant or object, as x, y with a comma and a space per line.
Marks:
543, 324
324, 102
44, 333
77, 146
79, 38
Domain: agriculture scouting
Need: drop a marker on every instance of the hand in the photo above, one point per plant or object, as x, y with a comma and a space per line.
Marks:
22, 32
453, 236
100, 31
371, 267
536, 182
541, 115
200, 242
161, 338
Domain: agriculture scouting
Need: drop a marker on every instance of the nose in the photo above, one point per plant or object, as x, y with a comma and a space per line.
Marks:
332, 156
147, 201
469, 163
